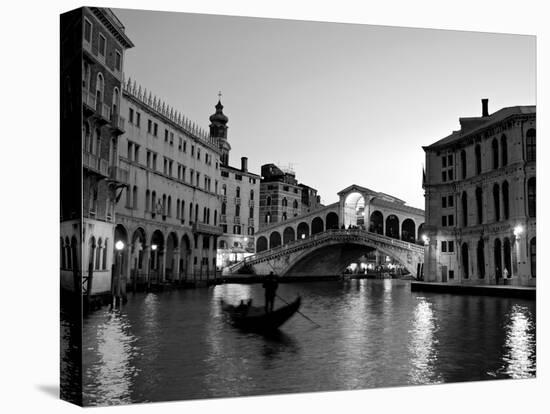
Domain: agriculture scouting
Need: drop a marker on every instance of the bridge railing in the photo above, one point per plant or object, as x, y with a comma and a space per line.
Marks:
327, 234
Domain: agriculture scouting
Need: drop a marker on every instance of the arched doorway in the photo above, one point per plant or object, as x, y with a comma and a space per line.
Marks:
261, 244
465, 261
317, 225
497, 253
408, 230
120, 257
533, 256
303, 230
171, 250
332, 221
185, 255
392, 226
288, 235
507, 258
481, 259
354, 210
274, 239
138, 244
157, 255
376, 224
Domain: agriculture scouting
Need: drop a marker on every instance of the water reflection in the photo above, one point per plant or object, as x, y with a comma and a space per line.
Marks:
112, 375
519, 356
422, 345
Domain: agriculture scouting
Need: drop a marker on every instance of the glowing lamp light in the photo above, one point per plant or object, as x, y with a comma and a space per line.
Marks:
119, 245
303, 236
518, 230
425, 239
154, 247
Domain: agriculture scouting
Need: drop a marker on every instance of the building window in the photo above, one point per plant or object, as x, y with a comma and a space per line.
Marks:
450, 246
533, 256
464, 200
443, 247
532, 197
465, 261
479, 205
149, 126
237, 210
165, 135
238, 192
504, 150
268, 201
463, 163
451, 220
496, 201
531, 145
284, 202
450, 201
138, 119
118, 61
505, 201
295, 204
444, 221
102, 45
155, 129
131, 116
478, 159
87, 31
251, 212
494, 146
251, 194
481, 259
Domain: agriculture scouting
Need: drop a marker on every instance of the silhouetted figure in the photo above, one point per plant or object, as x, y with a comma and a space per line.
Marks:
270, 285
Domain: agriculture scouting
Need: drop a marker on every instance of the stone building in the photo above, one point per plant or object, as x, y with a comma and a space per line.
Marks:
169, 213
240, 190
282, 197
92, 64
480, 192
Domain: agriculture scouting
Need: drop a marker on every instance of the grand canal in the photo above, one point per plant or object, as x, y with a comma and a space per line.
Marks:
374, 333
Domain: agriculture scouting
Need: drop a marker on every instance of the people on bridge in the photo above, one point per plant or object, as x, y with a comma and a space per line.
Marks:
270, 285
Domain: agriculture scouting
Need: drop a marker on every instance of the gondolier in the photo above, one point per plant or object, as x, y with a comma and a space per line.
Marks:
270, 285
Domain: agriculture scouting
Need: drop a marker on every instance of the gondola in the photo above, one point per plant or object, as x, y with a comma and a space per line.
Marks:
255, 319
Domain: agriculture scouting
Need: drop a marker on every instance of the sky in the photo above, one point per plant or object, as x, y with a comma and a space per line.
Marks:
341, 103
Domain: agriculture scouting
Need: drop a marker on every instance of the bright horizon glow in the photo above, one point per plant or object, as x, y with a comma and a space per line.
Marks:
343, 103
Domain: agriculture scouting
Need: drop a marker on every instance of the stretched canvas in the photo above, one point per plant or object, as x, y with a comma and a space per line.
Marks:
256, 206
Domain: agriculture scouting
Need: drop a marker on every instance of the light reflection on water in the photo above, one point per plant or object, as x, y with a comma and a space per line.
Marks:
519, 357
375, 333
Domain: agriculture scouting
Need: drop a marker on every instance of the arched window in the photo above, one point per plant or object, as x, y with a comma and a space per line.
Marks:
116, 102
284, 215
274, 239
251, 194
105, 250
284, 202
178, 208
215, 217
204, 213
99, 252
496, 201
154, 202
87, 137
531, 145
268, 200
147, 200
190, 213
238, 210
504, 150
295, 204
164, 204
532, 197
224, 208
99, 87
91, 252
169, 213
497, 254
478, 159
135, 197
507, 257
196, 213
479, 205
505, 200
63, 252
533, 256
464, 200
465, 261
182, 213
224, 190
238, 191
481, 258
261, 244
494, 147
268, 217
463, 163
97, 143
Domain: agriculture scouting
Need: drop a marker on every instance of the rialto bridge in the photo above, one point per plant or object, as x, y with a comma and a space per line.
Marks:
327, 240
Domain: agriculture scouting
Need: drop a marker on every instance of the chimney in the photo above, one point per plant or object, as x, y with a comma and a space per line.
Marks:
244, 164
485, 107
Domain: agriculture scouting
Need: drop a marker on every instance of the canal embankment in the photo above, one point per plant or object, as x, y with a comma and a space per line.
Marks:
524, 292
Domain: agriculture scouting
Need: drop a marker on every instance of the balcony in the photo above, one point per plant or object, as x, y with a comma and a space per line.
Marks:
117, 123
206, 229
118, 174
250, 203
237, 200
223, 219
236, 220
95, 164
103, 112
224, 199
251, 222
88, 101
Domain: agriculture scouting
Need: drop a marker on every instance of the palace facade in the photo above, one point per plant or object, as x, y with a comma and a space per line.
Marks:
93, 46
480, 192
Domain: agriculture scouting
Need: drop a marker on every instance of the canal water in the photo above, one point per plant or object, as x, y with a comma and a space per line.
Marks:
374, 333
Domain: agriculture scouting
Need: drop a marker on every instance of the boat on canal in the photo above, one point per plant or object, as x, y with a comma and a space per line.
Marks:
254, 318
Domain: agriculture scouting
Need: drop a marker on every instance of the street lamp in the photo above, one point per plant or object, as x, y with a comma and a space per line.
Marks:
518, 230
119, 245
303, 236
425, 239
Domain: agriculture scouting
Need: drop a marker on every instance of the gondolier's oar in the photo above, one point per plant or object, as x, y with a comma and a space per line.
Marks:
309, 319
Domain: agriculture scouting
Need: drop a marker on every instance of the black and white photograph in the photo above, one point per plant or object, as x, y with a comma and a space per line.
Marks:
249, 208
261, 206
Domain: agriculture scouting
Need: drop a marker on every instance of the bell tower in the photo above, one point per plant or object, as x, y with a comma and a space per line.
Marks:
218, 129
